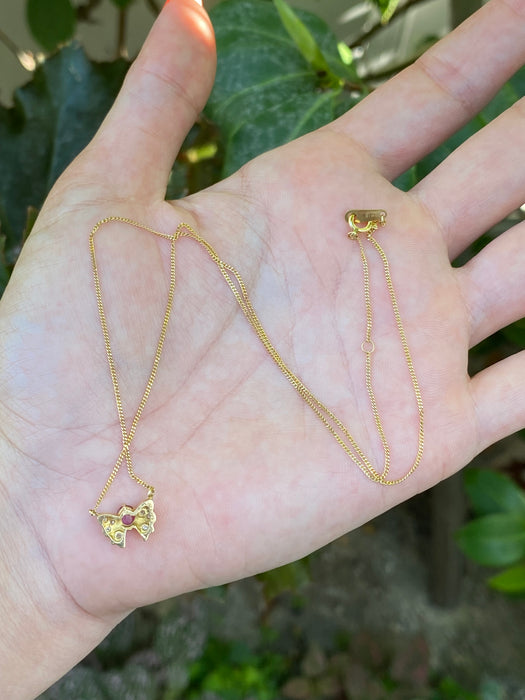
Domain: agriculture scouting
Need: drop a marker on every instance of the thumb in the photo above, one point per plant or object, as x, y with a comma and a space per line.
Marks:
164, 91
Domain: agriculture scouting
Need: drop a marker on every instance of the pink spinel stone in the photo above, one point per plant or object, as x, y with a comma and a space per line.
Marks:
128, 519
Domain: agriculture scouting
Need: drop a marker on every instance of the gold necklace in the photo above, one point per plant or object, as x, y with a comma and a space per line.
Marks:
363, 223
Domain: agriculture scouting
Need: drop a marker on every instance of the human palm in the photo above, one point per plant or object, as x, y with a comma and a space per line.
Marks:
246, 476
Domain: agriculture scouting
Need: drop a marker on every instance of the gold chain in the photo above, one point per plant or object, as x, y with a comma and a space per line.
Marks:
127, 437
372, 220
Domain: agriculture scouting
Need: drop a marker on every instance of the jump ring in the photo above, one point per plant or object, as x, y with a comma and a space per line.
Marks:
368, 346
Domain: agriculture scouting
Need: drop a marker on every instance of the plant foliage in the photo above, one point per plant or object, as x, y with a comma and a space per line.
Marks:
52, 22
497, 536
279, 76
53, 118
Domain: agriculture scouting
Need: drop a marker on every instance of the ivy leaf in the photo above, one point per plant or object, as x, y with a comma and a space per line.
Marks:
52, 120
52, 22
510, 581
265, 94
492, 492
494, 540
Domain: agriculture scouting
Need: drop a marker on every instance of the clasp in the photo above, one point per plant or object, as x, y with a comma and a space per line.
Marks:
371, 218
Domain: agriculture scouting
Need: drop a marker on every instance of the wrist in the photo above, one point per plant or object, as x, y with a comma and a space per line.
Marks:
45, 631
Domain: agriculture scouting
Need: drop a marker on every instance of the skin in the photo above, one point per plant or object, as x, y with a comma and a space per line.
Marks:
247, 477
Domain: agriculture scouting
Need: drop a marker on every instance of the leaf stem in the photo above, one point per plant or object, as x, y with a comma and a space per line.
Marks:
122, 51
21, 55
84, 11
352, 87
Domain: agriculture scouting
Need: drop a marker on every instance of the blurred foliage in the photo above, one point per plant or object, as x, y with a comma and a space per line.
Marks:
284, 579
232, 671
372, 670
53, 118
51, 34
387, 8
186, 652
66, 15
496, 537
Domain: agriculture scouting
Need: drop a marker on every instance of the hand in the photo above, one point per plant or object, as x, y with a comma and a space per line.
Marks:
247, 477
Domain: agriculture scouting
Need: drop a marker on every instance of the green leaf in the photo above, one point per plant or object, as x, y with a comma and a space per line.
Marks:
304, 40
492, 492
265, 94
388, 8
516, 333
345, 53
510, 581
53, 119
231, 671
507, 96
52, 22
494, 540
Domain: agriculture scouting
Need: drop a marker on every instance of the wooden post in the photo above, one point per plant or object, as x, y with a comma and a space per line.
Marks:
448, 508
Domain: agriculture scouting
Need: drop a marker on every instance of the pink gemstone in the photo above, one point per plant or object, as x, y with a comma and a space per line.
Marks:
128, 519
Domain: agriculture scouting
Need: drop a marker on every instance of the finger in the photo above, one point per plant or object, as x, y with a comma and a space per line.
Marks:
487, 171
164, 91
499, 399
414, 112
492, 285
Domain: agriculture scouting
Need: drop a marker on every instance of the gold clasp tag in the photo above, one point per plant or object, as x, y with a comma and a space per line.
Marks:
371, 218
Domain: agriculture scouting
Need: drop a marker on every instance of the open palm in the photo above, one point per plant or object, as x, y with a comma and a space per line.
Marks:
246, 476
